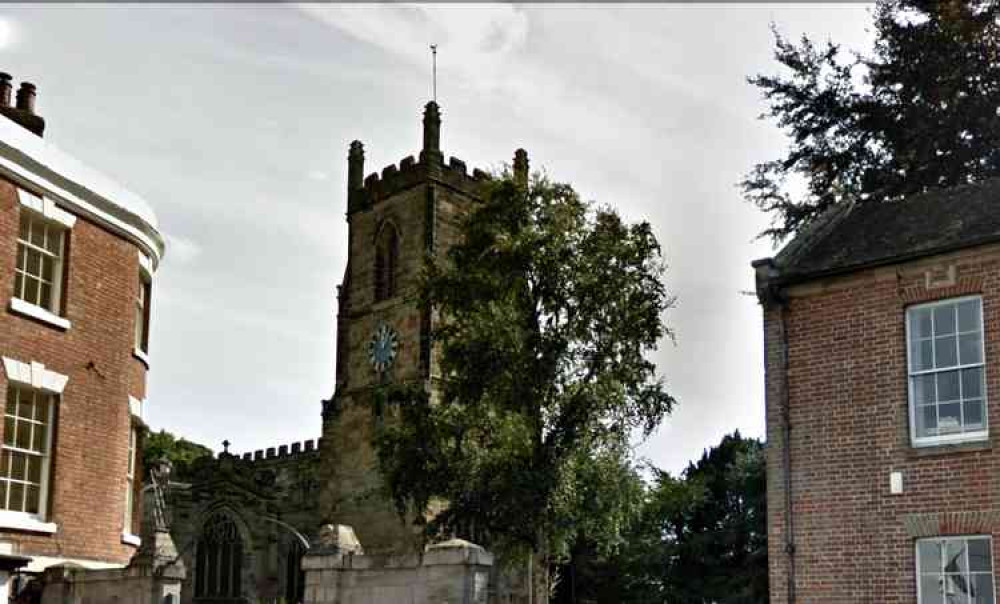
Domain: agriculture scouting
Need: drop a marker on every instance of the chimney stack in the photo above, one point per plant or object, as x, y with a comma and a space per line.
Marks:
26, 98
23, 109
5, 89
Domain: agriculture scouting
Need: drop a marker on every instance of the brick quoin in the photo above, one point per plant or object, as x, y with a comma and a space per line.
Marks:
849, 417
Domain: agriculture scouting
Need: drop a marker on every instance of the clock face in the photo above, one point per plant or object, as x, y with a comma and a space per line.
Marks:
382, 348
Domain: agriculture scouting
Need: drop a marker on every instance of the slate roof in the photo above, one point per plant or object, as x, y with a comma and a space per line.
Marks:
854, 236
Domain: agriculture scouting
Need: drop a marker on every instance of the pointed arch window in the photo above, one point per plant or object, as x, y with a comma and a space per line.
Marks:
219, 564
386, 262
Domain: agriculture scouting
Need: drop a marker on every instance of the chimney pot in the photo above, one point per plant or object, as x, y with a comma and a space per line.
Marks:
26, 97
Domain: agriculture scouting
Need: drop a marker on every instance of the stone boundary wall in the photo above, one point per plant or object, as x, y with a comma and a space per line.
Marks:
453, 572
131, 585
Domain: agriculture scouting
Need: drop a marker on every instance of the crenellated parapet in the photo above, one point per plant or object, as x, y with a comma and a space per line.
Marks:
298, 449
409, 173
363, 193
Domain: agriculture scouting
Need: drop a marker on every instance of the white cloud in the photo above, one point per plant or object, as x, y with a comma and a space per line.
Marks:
7, 33
181, 250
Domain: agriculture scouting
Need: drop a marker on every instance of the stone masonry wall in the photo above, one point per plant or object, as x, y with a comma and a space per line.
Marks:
853, 540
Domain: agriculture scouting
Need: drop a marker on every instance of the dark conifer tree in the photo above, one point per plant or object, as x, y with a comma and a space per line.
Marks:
921, 112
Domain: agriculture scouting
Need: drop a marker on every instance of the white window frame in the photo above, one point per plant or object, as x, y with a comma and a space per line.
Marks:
35, 376
130, 499
916, 559
45, 210
146, 283
930, 441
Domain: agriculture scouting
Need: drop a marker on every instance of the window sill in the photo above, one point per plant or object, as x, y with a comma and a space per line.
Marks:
948, 448
130, 539
28, 309
139, 354
19, 521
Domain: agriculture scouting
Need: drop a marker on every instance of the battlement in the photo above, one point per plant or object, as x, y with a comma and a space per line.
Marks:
408, 173
307, 447
363, 192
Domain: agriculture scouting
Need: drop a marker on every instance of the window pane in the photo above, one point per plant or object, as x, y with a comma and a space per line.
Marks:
944, 319
27, 408
37, 233
930, 590
927, 421
972, 383
945, 352
968, 315
924, 389
16, 502
54, 243
947, 386
9, 431
970, 348
22, 440
25, 226
921, 355
35, 469
45, 296
11, 399
929, 555
32, 499
982, 589
979, 555
31, 291
18, 469
18, 283
920, 323
973, 414
42, 409
954, 556
949, 418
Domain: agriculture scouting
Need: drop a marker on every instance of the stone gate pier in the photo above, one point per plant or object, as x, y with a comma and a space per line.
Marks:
338, 572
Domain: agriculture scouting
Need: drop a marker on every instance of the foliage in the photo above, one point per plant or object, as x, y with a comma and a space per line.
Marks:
920, 113
699, 538
549, 308
164, 445
703, 537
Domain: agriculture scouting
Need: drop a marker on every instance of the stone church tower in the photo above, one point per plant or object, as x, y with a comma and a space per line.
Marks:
394, 222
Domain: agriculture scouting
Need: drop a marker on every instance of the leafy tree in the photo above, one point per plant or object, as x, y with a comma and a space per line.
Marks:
921, 112
702, 538
164, 445
549, 307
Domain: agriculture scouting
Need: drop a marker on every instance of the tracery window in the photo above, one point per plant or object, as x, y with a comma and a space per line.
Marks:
386, 262
219, 563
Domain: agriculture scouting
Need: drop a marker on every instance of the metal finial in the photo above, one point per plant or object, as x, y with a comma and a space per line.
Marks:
434, 70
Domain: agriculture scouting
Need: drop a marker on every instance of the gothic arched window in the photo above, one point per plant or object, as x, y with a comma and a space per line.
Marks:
219, 564
386, 261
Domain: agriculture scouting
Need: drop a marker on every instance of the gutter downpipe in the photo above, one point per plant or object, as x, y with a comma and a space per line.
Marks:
786, 449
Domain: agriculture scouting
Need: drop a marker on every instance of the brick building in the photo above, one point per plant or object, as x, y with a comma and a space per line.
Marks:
77, 255
882, 335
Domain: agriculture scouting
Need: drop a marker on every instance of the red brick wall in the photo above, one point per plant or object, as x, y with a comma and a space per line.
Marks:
88, 474
847, 377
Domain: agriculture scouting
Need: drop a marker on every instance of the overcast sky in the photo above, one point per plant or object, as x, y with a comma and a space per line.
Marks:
233, 121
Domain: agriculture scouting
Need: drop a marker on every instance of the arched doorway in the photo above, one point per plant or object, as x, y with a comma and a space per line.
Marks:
219, 561
294, 579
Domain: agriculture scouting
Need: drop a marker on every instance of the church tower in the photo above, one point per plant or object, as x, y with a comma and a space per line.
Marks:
394, 221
